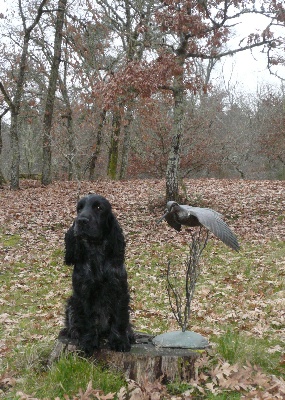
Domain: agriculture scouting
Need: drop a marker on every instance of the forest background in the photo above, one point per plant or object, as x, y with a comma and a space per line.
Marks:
123, 89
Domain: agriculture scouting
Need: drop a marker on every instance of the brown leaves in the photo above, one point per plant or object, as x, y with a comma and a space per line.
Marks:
146, 391
142, 78
7, 380
88, 394
248, 379
133, 391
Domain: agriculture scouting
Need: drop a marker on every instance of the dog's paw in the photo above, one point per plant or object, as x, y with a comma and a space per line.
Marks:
121, 346
63, 334
119, 343
131, 335
89, 343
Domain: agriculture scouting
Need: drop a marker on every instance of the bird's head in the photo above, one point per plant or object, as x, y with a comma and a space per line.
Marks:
170, 215
170, 207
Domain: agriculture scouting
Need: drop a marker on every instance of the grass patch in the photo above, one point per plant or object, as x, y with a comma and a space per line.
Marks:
72, 373
65, 377
236, 347
10, 240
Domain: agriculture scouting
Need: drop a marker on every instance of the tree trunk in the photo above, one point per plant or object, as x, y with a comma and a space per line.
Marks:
48, 114
114, 144
2, 178
15, 104
172, 184
93, 160
15, 164
69, 117
71, 146
126, 143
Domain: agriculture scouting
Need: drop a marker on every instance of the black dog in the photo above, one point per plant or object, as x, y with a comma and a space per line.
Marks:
99, 305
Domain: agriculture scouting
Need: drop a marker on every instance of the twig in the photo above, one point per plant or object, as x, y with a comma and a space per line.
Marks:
170, 288
199, 240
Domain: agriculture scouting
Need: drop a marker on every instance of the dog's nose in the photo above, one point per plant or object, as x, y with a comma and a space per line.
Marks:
83, 220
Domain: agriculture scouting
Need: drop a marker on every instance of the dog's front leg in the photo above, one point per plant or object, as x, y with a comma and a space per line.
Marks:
89, 343
119, 341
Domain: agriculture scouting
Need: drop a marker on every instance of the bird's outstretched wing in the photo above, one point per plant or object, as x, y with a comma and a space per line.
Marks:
212, 220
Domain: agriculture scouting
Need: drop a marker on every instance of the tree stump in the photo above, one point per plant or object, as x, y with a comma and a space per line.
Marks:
145, 362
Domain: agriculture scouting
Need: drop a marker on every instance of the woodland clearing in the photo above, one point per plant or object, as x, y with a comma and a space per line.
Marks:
239, 304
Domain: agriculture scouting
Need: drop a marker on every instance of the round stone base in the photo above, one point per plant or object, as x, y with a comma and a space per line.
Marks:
181, 340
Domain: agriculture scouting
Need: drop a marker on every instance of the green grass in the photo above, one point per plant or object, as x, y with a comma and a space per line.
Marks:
63, 378
60, 381
10, 240
236, 347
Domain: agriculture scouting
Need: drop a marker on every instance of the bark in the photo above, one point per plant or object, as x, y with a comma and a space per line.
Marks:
70, 131
172, 170
126, 143
94, 157
15, 150
114, 144
71, 146
146, 363
2, 178
172, 179
48, 114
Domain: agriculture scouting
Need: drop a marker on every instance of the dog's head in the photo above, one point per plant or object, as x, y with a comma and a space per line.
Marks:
94, 217
94, 225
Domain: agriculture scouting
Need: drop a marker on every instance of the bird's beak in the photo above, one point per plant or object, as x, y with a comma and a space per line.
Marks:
161, 218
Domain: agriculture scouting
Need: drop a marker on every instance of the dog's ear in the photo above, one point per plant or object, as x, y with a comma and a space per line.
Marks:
116, 239
69, 257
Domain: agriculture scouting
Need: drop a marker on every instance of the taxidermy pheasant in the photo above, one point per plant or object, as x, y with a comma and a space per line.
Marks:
177, 215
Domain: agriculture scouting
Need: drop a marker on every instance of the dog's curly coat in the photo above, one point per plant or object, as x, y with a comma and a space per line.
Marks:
99, 305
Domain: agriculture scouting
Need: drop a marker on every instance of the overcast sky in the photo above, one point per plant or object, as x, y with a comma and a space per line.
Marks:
249, 68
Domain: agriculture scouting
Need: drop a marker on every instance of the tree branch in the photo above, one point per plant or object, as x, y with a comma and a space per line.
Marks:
7, 98
230, 52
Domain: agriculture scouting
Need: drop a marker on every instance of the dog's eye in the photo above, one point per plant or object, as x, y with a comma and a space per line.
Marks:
97, 207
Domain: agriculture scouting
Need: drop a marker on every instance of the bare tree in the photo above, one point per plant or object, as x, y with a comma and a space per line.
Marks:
126, 19
197, 31
14, 102
48, 114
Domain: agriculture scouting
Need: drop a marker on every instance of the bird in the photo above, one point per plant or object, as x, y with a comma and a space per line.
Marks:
177, 215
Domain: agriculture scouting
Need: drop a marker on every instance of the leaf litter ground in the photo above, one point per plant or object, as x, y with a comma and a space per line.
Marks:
239, 292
